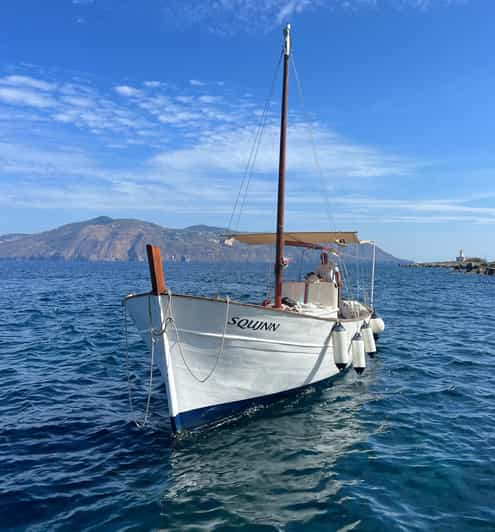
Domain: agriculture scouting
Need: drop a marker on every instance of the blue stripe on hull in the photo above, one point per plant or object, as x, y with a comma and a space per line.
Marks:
207, 415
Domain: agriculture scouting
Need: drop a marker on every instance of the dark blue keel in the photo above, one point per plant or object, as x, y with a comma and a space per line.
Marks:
205, 416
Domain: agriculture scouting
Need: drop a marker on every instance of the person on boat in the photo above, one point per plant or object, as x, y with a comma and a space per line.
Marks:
325, 270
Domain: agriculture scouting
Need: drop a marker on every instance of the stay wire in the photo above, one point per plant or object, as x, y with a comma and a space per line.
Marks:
258, 142
246, 179
331, 220
328, 211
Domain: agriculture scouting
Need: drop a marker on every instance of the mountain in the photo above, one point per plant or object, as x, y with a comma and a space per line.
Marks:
108, 239
11, 237
364, 253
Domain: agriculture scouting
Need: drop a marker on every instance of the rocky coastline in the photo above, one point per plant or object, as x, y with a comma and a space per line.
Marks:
470, 265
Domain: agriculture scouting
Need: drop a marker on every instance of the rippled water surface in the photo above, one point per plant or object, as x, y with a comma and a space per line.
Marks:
408, 446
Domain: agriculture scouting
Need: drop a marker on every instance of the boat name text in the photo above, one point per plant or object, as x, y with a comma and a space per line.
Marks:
255, 325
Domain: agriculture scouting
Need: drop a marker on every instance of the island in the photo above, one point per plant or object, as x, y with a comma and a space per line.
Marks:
109, 239
460, 264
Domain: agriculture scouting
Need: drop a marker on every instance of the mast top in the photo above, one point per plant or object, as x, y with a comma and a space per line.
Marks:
287, 40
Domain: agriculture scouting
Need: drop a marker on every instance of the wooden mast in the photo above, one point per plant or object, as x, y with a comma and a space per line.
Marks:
279, 256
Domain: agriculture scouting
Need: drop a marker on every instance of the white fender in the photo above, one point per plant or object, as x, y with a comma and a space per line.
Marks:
368, 339
377, 325
358, 354
340, 350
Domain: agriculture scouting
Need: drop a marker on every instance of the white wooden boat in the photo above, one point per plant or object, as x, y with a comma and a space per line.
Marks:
219, 356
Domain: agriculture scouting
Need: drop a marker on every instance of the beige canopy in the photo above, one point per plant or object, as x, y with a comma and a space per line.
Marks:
301, 238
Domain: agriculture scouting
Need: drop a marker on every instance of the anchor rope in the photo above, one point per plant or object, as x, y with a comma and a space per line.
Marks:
155, 334
139, 424
124, 321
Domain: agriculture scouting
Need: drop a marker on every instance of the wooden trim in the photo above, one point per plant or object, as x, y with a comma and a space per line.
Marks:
156, 270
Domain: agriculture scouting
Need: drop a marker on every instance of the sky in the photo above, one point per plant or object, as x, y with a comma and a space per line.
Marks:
151, 109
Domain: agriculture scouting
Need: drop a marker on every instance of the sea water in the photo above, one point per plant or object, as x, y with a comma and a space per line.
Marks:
410, 445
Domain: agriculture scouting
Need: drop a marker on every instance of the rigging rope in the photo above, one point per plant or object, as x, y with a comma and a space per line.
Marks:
345, 274
330, 217
358, 258
248, 171
171, 319
331, 220
269, 281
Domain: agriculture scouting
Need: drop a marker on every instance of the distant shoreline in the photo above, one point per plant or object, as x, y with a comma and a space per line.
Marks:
473, 265
122, 240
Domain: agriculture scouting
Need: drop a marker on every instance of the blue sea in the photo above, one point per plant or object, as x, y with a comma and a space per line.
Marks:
410, 445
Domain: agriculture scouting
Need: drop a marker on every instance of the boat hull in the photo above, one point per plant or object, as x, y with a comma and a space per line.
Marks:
201, 417
219, 357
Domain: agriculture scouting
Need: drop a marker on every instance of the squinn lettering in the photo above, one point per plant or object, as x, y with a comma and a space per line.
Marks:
255, 325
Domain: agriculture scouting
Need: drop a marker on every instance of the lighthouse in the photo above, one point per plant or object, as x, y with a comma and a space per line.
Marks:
461, 257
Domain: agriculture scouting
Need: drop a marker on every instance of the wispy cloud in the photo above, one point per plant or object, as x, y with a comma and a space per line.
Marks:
226, 151
125, 90
228, 16
290, 8
423, 211
28, 81
210, 99
25, 160
20, 96
192, 144
152, 84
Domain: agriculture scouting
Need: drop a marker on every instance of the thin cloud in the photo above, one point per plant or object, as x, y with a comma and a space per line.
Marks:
191, 147
290, 8
79, 101
226, 151
425, 210
24, 160
125, 90
152, 84
28, 81
229, 16
210, 99
184, 99
16, 96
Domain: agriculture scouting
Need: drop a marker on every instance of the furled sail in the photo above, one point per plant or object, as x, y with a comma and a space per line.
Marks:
299, 238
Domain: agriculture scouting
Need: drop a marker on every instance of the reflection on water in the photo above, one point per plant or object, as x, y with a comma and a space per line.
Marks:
279, 460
